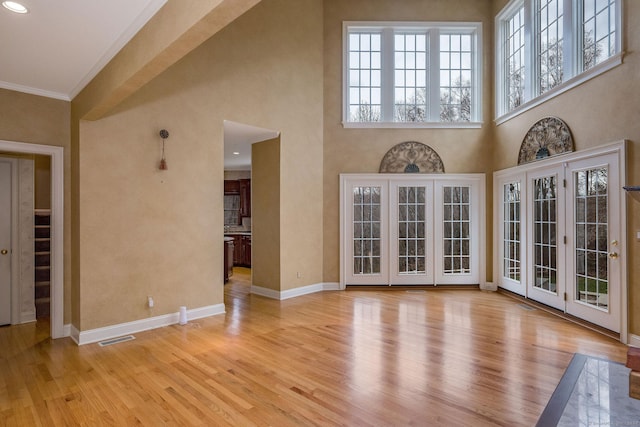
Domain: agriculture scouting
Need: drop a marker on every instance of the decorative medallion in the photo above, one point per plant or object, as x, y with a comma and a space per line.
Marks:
547, 137
411, 157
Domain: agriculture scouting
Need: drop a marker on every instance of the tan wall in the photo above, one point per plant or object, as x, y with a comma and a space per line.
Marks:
361, 150
265, 239
148, 232
38, 120
598, 112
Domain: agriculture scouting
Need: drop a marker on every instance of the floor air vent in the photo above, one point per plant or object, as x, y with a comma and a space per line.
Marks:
116, 340
526, 307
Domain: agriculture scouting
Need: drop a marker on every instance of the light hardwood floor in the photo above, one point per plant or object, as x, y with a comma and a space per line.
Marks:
355, 358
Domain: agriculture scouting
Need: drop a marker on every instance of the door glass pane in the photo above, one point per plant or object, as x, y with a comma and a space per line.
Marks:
544, 229
411, 230
366, 230
592, 286
511, 242
456, 220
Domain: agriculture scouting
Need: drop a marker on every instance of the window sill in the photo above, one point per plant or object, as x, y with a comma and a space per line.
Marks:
601, 68
420, 125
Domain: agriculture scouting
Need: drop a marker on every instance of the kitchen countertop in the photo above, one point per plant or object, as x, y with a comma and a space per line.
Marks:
237, 233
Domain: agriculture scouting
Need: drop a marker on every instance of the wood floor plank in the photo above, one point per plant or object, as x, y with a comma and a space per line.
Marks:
362, 357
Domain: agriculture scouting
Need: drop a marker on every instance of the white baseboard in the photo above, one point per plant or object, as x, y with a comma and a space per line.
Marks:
296, 292
634, 340
113, 331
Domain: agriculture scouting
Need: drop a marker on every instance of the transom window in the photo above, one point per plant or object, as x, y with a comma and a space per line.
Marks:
412, 74
545, 47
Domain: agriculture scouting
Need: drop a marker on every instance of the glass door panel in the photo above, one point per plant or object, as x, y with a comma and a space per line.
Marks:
511, 261
456, 248
591, 237
457, 232
365, 240
366, 230
545, 235
411, 233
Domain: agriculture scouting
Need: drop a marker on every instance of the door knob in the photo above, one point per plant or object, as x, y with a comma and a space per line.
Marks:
613, 255
4, 252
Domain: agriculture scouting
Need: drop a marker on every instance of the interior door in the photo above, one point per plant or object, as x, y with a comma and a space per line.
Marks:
546, 236
5, 243
595, 272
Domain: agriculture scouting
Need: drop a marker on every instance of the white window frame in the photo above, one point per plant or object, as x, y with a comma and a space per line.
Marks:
573, 76
433, 29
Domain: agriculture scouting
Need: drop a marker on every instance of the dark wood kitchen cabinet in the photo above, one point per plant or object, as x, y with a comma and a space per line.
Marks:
237, 202
228, 258
237, 250
245, 197
246, 250
241, 250
231, 186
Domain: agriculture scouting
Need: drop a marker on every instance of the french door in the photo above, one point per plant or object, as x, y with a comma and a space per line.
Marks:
417, 230
560, 234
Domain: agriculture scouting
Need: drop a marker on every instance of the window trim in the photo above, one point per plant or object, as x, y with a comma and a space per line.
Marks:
474, 28
575, 80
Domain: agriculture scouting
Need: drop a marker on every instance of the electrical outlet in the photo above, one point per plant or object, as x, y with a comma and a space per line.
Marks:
150, 302
299, 275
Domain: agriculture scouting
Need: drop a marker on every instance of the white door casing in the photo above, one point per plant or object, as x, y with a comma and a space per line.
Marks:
58, 329
5, 240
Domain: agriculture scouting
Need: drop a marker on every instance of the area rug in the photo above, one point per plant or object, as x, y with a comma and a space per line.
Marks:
592, 392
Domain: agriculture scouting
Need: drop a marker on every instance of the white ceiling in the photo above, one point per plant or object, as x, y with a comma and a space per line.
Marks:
59, 46
56, 48
238, 138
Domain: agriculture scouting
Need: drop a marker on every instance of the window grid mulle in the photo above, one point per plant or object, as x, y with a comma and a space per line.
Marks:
412, 255
456, 70
410, 77
592, 237
456, 224
511, 256
365, 77
599, 34
514, 59
550, 39
366, 230
544, 225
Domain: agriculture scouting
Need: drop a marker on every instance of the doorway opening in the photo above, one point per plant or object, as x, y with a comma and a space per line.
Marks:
56, 249
238, 194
